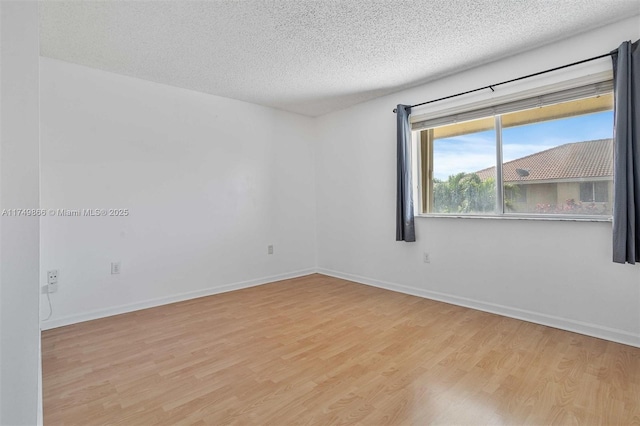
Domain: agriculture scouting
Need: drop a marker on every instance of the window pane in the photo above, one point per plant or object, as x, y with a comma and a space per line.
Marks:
515, 193
601, 191
561, 156
586, 191
463, 157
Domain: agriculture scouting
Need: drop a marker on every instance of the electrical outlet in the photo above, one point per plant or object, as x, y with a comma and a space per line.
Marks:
115, 268
426, 258
52, 277
52, 288
270, 249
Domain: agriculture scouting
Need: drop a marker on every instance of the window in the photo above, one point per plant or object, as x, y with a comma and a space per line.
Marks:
515, 193
594, 192
547, 155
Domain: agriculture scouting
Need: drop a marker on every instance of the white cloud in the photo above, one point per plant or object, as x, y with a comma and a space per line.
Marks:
450, 163
466, 153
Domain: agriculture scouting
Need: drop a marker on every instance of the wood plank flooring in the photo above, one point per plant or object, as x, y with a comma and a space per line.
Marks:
323, 351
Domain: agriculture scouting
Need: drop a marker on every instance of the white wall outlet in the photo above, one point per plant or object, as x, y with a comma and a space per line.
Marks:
52, 281
426, 258
116, 267
270, 249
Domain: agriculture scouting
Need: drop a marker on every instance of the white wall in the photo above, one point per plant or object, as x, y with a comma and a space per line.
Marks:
19, 322
555, 273
209, 183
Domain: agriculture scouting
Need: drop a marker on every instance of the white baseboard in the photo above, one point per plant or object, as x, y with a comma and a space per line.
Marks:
580, 327
122, 309
589, 329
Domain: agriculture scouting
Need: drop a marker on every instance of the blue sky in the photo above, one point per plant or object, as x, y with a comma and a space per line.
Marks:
473, 152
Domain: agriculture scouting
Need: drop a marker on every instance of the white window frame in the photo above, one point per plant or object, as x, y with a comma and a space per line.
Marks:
554, 91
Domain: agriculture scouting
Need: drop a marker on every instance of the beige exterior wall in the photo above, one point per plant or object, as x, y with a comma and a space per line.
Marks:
555, 194
568, 191
544, 193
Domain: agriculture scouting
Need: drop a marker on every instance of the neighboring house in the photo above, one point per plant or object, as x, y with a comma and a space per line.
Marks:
574, 176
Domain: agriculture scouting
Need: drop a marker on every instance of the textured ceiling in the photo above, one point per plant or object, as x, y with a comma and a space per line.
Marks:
310, 57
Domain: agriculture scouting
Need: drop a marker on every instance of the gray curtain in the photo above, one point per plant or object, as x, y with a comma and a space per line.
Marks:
405, 230
626, 169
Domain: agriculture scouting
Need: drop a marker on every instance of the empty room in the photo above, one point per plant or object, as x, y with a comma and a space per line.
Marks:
320, 212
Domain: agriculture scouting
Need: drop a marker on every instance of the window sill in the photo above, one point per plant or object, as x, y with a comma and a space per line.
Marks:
559, 218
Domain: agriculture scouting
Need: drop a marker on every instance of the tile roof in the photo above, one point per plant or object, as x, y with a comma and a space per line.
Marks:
572, 160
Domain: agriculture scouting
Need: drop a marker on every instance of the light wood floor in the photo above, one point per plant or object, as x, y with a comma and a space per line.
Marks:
320, 350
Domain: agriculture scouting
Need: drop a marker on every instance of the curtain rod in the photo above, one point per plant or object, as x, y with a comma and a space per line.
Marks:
491, 86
